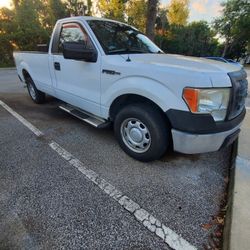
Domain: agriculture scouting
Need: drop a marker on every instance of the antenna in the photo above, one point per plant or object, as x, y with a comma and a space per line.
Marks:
128, 47
128, 59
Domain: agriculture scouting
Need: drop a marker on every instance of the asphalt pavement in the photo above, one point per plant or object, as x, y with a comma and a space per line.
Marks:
45, 203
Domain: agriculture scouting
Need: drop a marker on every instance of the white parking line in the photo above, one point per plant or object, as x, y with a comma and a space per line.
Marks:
174, 240
36, 131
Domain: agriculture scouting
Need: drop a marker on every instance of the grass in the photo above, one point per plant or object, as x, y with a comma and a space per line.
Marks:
7, 65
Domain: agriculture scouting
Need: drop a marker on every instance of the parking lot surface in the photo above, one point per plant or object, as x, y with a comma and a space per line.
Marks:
45, 202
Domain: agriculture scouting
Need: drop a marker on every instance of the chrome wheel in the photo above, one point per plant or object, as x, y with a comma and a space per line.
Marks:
32, 91
135, 135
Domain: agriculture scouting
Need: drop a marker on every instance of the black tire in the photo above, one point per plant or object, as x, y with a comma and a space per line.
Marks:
36, 95
155, 123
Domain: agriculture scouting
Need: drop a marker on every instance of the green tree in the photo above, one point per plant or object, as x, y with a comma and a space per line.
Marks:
199, 39
21, 28
89, 8
56, 9
7, 29
234, 27
29, 31
76, 7
161, 20
178, 12
136, 11
113, 9
161, 26
194, 39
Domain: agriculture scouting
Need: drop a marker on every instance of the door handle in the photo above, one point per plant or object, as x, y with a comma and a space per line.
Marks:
57, 66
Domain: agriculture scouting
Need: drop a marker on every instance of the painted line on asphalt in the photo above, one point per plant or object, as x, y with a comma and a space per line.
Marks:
174, 240
150, 222
36, 131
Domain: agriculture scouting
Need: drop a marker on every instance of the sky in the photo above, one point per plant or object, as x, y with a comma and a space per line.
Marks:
4, 3
202, 9
199, 9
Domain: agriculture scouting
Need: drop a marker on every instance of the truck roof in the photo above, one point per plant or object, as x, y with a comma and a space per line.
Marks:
73, 18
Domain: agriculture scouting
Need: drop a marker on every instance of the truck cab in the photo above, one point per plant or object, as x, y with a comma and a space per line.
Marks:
106, 72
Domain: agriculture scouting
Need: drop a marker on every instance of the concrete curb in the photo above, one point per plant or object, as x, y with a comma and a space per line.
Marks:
228, 220
237, 224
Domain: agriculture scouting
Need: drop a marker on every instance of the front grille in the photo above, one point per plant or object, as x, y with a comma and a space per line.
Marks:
239, 93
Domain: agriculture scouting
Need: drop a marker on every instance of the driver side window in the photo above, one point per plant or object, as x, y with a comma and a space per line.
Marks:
73, 32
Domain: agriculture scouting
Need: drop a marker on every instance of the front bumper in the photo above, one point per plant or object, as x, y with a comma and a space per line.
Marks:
199, 133
188, 143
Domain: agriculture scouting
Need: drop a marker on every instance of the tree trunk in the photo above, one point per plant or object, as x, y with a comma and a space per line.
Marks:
151, 18
225, 49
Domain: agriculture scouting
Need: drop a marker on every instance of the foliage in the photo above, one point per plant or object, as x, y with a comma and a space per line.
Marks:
21, 28
30, 22
6, 32
136, 11
195, 39
76, 7
55, 10
178, 12
27, 24
234, 26
162, 23
113, 9
29, 31
89, 8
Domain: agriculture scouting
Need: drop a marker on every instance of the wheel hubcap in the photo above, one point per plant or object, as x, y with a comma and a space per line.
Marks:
135, 135
32, 91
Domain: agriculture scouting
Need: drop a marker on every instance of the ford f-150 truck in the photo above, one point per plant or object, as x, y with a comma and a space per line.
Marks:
107, 72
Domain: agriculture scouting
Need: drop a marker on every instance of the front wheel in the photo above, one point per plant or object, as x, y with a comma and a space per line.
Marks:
36, 95
142, 131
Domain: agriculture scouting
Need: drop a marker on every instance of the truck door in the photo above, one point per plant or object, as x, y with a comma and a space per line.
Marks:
77, 82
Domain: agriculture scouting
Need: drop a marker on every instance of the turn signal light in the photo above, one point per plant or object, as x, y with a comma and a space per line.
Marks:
191, 96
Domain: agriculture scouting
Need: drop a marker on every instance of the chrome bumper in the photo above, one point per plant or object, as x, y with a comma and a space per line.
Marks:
200, 143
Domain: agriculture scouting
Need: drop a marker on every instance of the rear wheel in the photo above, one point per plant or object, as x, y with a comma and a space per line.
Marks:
142, 131
36, 95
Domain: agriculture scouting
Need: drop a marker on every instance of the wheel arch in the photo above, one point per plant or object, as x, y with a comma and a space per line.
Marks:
127, 99
142, 88
26, 74
24, 71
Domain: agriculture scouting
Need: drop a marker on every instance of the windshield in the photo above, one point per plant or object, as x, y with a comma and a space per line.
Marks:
118, 38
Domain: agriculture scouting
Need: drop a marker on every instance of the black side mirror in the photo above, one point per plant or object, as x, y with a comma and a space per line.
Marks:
78, 51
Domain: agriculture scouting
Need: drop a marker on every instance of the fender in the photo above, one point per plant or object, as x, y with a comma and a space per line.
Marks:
25, 66
143, 86
21, 65
40, 75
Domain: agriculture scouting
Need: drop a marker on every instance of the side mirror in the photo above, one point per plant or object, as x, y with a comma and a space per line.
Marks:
78, 51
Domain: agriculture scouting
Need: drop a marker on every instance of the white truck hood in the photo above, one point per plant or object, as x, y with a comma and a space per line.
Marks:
214, 70
185, 62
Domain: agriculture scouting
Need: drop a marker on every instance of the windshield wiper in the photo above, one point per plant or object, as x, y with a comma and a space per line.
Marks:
159, 52
127, 51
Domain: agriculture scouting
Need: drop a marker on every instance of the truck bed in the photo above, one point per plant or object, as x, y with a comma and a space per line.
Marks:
37, 65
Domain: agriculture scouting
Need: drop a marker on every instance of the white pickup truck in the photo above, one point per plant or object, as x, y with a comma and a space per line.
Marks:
108, 72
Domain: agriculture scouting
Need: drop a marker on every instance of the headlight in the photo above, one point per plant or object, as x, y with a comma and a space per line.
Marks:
213, 101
